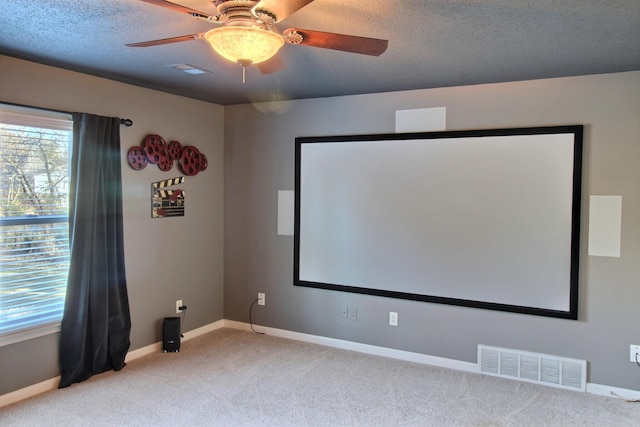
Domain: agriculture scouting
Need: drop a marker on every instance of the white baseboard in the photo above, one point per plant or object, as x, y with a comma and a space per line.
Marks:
361, 348
30, 391
52, 383
608, 391
597, 389
157, 346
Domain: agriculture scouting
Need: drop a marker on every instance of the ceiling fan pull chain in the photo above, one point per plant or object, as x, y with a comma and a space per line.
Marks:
244, 63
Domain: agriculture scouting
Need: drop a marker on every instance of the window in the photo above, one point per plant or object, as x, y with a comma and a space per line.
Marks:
34, 221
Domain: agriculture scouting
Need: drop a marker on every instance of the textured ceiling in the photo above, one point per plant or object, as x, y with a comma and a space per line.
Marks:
431, 44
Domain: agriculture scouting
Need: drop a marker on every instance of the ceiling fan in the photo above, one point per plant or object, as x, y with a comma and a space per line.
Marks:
248, 35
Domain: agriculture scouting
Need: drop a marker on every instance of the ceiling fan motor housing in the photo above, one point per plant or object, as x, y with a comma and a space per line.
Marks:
228, 9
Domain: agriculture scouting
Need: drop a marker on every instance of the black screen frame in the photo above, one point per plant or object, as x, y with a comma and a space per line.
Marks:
576, 130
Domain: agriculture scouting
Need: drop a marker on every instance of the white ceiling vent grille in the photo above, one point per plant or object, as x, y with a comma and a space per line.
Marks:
553, 371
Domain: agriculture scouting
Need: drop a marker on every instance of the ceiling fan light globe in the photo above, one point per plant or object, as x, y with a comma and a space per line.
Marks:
244, 44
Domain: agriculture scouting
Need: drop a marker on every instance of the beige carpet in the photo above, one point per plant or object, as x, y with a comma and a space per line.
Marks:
235, 378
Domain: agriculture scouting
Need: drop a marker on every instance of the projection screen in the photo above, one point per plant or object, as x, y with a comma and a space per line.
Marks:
485, 218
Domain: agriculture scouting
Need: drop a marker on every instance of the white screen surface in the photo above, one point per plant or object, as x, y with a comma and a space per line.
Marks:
477, 218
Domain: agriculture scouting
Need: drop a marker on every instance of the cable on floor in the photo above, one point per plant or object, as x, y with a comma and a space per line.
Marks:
183, 313
250, 317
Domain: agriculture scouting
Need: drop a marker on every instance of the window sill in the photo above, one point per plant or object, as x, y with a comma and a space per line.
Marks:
29, 334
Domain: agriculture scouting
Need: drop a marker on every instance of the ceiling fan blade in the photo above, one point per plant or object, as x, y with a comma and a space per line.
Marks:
280, 8
272, 65
169, 40
183, 9
343, 42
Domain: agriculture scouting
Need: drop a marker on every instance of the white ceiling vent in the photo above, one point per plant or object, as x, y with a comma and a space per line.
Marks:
189, 69
544, 369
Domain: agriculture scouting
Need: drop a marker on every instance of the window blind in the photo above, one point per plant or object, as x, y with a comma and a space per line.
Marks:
34, 230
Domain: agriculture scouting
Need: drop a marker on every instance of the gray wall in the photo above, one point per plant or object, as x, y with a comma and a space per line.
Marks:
183, 258
166, 259
259, 161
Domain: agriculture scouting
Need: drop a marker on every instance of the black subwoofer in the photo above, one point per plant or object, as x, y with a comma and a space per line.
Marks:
171, 334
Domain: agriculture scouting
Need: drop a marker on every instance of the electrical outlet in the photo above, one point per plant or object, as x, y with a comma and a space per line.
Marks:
393, 318
353, 313
344, 312
634, 353
261, 298
178, 305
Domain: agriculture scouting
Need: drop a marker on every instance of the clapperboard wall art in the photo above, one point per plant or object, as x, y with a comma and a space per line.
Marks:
166, 203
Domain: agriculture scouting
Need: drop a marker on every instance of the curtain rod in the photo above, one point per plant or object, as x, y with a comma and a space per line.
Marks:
125, 122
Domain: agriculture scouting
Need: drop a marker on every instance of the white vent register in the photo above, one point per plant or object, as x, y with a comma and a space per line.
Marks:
538, 368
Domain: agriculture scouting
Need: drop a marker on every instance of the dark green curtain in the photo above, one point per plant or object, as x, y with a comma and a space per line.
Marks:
96, 323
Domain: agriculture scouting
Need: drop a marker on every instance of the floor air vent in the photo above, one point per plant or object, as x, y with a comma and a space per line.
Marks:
536, 368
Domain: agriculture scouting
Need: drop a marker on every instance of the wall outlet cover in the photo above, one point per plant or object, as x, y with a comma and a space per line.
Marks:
344, 312
393, 318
